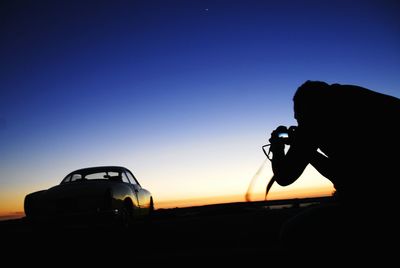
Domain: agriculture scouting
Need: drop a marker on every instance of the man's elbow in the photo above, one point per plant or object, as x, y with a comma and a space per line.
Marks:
283, 182
285, 178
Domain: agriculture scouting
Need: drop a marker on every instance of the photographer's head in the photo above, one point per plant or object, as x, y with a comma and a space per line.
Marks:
309, 95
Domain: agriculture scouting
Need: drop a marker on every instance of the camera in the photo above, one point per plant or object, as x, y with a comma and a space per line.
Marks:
287, 135
281, 134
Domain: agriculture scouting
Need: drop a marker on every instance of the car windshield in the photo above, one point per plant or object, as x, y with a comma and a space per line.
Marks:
104, 175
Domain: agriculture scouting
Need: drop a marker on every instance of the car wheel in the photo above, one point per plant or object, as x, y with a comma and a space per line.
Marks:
126, 215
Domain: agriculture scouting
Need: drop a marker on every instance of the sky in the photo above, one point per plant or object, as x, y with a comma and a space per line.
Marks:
182, 93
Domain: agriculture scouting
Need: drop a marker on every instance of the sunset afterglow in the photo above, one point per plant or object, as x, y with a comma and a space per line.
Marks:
182, 93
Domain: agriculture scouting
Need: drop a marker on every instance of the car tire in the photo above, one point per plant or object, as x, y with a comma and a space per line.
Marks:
126, 215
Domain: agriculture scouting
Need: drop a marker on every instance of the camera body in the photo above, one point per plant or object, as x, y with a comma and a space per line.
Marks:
287, 135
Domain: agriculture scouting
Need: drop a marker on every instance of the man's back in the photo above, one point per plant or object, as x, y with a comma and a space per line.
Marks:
356, 128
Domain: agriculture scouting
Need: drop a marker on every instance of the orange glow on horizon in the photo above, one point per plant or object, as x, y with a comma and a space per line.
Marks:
14, 209
11, 204
258, 196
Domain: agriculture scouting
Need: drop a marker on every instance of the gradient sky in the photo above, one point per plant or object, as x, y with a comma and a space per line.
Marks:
183, 93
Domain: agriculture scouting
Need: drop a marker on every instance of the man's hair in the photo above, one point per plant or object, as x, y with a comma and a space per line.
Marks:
310, 97
311, 91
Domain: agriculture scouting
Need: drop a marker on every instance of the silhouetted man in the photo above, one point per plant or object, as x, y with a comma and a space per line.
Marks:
357, 131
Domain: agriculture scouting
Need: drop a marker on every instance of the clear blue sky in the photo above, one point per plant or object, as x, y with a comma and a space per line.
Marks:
183, 93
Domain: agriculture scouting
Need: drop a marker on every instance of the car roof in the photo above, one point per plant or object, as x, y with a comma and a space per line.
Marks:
99, 169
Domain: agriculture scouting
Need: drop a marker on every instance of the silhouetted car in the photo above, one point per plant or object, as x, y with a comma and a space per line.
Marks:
106, 192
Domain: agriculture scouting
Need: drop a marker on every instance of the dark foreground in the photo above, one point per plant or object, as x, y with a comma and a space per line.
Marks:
246, 233
235, 231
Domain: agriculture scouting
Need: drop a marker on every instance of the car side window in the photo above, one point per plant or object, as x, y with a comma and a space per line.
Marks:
125, 178
67, 179
131, 178
76, 177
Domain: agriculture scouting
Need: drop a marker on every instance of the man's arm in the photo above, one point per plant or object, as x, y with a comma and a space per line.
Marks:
322, 164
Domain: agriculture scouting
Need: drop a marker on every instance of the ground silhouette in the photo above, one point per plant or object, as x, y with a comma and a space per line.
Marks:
243, 230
